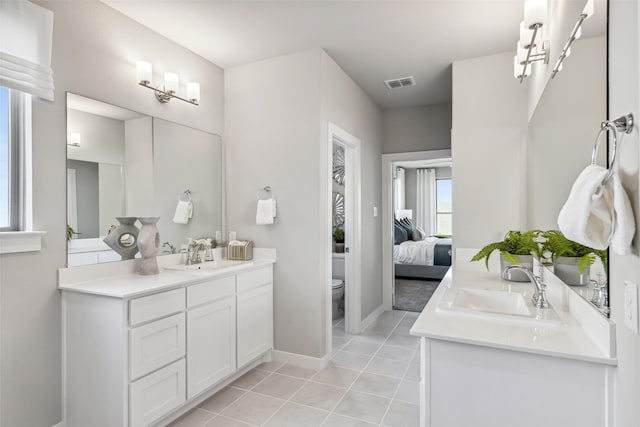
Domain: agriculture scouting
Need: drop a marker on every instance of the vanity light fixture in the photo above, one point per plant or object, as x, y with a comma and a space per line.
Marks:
74, 139
575, 35
171, 85
531, 47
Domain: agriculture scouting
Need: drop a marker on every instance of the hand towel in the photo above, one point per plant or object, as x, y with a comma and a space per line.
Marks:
184, 211
624, 225
587, 216
266, 212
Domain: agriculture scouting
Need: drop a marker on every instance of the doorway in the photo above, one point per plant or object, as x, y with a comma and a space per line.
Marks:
390, 163
344, 179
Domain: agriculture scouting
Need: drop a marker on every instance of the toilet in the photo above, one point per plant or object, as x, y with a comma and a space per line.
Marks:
337, 284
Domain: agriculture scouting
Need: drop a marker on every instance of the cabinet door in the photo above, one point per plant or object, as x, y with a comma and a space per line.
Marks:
255, 323
211, 344
157, 394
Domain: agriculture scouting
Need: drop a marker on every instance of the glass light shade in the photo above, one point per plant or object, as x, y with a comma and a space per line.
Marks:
517, 68
568, 52
525, 36
535, 13
171, 82
578, 33
522, 55
588, 9
144, 71
75, 139
193, 91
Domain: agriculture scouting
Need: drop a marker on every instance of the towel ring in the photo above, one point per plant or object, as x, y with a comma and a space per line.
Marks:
186, 193
265, 193
621, 124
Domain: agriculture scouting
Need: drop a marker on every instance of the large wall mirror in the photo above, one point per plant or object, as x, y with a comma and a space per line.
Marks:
123, 163
563, 129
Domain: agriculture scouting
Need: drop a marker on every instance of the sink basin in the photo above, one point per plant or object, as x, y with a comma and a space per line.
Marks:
209, 265
494, 305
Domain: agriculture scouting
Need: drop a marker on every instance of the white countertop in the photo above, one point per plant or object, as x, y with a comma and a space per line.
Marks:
119, 279
568, 339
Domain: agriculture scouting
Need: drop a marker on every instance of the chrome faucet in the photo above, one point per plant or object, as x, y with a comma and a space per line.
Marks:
539, 298
171, 249
193, 256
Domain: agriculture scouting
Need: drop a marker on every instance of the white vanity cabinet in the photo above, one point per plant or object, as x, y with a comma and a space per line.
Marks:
133, 360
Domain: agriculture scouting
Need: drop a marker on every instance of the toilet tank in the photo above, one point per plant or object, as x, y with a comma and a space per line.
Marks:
337, 266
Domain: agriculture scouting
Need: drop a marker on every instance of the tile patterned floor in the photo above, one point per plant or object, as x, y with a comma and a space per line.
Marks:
371, 381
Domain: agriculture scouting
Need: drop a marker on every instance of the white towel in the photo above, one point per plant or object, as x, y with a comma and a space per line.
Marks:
266, 211
598, 214
587, 215
624, 225
184, 211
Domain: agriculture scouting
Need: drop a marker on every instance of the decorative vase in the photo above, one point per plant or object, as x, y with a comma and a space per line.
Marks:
566, 269
339, 247
148, 243
124, 238
515, 275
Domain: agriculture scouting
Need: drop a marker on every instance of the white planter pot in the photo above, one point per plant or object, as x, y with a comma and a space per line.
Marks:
515, 275
566, 268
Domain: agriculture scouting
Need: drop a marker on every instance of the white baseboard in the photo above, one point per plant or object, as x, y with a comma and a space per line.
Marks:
301, 360
372, 317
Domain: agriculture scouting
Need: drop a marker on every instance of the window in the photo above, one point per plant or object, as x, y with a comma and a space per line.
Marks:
443, 207
8, 167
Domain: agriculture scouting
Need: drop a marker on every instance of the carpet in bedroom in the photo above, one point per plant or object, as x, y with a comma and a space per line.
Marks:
413, 295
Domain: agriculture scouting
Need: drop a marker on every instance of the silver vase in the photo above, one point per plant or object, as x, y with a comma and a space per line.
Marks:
124, 238
148, 244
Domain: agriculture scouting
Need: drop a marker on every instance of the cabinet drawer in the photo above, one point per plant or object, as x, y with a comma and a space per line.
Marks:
155, 395
156, 344
155, 306
210, 291
254, 279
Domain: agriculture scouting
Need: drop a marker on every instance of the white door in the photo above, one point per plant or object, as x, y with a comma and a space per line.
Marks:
255, 323
211, 344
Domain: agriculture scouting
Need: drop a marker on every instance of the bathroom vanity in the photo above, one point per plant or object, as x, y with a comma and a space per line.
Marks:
489, 358
141, 350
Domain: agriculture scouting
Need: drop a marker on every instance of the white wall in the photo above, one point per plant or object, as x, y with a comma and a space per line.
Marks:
138, 167
276, 114
416, 128
94, 53
624, 98
488, 150
102, 138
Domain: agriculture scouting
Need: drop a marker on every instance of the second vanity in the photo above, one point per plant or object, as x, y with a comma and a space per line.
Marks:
489, 358
141, 350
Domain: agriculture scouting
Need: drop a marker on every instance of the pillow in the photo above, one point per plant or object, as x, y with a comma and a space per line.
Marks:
418, 234
399, 234
408, 225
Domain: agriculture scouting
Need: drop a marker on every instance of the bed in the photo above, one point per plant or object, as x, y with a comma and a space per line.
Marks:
427, 258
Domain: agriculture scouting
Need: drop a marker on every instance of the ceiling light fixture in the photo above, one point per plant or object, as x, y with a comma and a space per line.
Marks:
575, 35
531, 47
171, 85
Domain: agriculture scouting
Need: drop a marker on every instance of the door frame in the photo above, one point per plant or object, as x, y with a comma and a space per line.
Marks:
388, 269
353, 234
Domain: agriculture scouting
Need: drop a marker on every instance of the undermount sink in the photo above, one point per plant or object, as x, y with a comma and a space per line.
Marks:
493, 304
208, 265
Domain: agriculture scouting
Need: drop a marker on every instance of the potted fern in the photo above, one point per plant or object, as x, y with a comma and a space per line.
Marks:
571, 260
338, 237
516, 248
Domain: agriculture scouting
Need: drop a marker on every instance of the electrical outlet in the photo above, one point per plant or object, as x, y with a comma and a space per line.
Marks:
630, 304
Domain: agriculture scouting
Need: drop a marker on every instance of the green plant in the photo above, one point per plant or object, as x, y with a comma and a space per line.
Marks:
556, 243
71, 232
514, 243
338, 235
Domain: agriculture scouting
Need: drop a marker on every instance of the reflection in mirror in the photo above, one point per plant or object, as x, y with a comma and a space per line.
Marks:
562, 132
128, 164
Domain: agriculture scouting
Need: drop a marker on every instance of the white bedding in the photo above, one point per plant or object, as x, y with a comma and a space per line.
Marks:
417, 252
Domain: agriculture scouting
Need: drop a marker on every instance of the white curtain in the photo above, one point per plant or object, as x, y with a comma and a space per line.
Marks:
398, 196
426, 200
26, 35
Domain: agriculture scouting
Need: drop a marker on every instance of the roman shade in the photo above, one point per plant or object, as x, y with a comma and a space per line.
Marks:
26, 33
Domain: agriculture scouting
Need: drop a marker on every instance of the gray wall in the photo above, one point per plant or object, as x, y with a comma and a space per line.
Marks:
94, 53
276, 114
416, 128
87, 197
623, 98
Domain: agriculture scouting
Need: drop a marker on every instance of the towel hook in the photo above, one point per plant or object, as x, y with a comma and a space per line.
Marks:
621, 124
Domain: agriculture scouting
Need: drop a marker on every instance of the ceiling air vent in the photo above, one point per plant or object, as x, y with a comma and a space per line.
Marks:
402, 82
